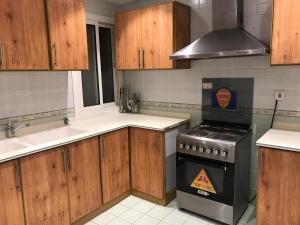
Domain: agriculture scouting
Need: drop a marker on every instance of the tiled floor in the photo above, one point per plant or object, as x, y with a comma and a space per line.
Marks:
133, 210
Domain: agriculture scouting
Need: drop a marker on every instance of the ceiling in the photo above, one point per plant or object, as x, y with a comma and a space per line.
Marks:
120, 1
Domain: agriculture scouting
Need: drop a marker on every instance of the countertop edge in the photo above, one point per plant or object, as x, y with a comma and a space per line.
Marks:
80, 137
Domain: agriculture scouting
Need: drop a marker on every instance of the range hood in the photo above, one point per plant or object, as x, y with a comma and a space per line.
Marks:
228, 38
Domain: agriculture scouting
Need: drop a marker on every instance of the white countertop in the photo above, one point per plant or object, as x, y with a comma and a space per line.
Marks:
94, 126
281, 139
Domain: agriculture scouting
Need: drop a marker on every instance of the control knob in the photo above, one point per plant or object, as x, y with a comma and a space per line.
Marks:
224, 154
181, 146
187, 147
216, 152
194, 148
208, 150
201, 149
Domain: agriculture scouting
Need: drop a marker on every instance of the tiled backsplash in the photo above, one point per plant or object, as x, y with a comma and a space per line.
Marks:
23, 93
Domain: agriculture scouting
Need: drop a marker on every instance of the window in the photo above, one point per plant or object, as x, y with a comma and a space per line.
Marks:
94, 89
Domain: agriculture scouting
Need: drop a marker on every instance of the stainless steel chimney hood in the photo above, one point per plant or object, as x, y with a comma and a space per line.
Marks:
228, 38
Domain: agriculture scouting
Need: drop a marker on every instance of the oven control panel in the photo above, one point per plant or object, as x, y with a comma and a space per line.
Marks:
207, 150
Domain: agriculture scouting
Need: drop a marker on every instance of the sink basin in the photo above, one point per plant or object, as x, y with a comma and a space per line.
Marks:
50, 135
13, 144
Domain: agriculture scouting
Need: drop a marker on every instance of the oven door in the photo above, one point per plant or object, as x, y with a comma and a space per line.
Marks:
209, 179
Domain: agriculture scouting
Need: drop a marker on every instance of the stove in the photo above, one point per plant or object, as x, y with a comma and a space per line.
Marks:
212, 159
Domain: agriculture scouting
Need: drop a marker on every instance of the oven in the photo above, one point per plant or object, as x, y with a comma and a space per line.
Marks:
205, 178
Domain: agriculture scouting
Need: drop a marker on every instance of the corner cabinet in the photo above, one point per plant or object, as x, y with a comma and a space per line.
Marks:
43, 35
146, 37
11, 203
114, 164
278, 187
286, 33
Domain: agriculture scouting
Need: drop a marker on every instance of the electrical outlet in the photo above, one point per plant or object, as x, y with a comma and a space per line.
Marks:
280, 95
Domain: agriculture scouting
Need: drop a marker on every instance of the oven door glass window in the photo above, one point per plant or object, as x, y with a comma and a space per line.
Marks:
205, 178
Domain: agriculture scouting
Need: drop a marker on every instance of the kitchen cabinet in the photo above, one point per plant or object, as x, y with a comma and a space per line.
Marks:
278, 187
23, 35
83, 174
146, 37
11, 203
115, 164
45, 188
147, 162
67, 34
286, 33
128, 39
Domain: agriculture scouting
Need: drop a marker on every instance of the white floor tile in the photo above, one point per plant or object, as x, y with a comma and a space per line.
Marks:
144, 206
249, 216
147, 220
90, 223
175, 219
198, 219
131, 215
117, 210
159, 212
182, 212
131, 201
119, 221
103, 218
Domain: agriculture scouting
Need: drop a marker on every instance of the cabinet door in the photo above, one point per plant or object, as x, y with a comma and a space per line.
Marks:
23, 35
278, 187
128, 39
84, 178
67, 31
45, 188
11, 203
286, 29
114, 164
147, 161
157, 36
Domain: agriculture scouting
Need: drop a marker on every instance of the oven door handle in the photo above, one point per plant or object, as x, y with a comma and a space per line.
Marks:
203, 162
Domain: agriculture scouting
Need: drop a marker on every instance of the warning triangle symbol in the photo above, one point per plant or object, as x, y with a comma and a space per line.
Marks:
202, 182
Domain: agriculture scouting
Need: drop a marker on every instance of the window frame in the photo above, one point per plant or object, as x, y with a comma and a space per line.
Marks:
80, 110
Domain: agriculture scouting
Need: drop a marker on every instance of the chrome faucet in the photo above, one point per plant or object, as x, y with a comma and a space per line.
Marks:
11, 128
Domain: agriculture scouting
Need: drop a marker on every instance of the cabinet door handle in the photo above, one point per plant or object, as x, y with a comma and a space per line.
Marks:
1, 54
143, 59
139, 58
102, 148
18, 177
53, 52
69, 159
64, 160
158, 144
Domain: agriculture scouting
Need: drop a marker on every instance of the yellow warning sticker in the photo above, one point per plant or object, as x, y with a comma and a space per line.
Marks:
202, 182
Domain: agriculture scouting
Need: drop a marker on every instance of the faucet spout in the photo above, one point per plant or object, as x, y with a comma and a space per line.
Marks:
11, 128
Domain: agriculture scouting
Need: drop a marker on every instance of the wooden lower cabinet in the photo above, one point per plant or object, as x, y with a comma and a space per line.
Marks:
84, 177
278, 200
11, 203
114, 164
147, 162
45, 188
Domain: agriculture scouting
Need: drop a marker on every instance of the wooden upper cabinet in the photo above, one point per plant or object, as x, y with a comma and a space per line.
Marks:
45, 188
128, 39
67, 32
278, 187
114, 164
286, 33
147, 162
84, 178
23, 35
11, 203
158, 32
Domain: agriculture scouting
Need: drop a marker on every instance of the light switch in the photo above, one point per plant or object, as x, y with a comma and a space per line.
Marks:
280, 95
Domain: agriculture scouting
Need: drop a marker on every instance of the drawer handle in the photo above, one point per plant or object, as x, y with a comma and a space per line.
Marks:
69, 159
1, 54
64, 161
139, 58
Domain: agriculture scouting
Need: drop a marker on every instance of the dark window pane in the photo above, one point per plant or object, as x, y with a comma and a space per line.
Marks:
106, 64
90, 82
